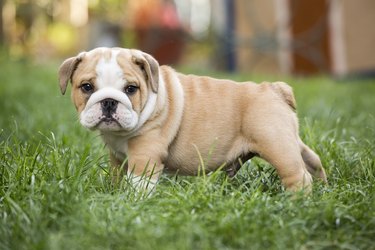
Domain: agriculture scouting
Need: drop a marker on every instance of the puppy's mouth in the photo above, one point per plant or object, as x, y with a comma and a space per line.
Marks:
109, 120
108, 123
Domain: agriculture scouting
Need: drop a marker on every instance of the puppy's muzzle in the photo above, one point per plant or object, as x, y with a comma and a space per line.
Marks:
109, 107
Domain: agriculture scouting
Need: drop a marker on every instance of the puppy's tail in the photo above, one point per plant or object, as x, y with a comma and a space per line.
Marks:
286, 93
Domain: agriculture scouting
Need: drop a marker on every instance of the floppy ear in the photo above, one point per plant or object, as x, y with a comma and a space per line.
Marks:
66, 71
150, 67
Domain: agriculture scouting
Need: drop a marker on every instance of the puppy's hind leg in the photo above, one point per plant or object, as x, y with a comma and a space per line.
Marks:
282, 151
312, 161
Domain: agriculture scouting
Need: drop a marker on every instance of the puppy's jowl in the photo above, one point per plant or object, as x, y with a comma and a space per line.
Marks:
159, 119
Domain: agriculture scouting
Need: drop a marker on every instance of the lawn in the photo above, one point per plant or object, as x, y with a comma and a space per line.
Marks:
55, 190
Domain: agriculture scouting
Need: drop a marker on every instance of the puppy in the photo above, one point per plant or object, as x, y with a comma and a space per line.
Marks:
154, 119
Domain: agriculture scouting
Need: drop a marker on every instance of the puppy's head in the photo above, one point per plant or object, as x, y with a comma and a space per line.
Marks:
113, 89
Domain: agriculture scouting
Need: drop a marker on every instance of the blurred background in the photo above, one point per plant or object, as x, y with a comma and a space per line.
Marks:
296, 37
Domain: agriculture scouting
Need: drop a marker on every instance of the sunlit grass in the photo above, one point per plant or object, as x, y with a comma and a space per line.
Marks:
56, 193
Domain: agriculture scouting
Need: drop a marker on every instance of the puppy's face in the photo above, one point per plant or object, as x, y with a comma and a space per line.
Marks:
112, 89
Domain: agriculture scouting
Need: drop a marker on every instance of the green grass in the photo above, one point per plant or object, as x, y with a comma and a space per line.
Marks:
55, 190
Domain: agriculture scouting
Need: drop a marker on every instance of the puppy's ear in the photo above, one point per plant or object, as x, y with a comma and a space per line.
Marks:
66, 71
150, 67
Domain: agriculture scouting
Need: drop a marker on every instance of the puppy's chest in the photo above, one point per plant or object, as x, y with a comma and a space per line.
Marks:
118, 145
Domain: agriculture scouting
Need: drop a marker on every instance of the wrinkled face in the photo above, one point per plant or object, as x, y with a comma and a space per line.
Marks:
112, 89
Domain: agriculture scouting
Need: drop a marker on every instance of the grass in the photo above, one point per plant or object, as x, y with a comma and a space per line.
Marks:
55, 191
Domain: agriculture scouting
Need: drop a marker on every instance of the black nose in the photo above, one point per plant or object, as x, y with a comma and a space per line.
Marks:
109, 106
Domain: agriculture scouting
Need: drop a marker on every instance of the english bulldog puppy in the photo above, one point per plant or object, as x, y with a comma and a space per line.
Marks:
154, 119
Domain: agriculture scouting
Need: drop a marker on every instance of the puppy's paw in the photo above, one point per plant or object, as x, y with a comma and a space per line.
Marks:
142, 186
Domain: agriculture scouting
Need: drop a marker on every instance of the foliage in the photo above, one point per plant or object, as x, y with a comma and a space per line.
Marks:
55, 191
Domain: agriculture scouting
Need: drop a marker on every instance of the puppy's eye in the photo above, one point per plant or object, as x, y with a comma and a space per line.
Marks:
87, 87
131, 89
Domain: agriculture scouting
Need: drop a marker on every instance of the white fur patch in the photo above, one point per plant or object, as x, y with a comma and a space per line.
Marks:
148, 109
117, 143
142, 183
109, 73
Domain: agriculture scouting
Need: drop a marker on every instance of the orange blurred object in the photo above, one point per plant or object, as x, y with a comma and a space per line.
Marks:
158, 29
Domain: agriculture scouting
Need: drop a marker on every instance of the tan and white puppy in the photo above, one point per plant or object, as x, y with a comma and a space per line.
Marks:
158, 119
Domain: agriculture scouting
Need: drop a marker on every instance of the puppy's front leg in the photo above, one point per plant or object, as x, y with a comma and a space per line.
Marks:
145, 162
144, 171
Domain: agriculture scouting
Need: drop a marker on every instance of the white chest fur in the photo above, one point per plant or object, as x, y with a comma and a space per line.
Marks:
117, 144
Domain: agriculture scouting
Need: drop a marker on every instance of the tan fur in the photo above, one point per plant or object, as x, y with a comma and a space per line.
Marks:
201, 118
